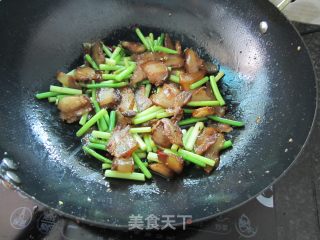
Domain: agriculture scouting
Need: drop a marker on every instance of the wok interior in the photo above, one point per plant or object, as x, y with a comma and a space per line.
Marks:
261, 87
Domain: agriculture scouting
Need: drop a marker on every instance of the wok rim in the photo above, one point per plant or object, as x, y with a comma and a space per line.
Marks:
197, 220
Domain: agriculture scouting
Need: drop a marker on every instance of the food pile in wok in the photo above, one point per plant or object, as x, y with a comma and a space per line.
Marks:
145, 107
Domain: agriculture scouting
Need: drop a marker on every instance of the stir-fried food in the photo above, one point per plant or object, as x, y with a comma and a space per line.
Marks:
145, 107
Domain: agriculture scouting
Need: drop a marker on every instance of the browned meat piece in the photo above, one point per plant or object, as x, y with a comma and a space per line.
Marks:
129, 113
170, 60
186, 79
67, 80
166, 95
213, 152
156, 72
133, 47
97, 53
121, 143
173, 162
177, 114
173, 60
220, 111
172, 131
125, 165
73, 107
108, 97
169, 96
142, 101
173, 106
127, 100
84, 74
211, 68
138, 75
203, 112
201, 94
178, 47
193, 62
162, 170
168, 42
148, 56
158, 135
165, 133
72, 103
182, 99
122, 121
205, 140
223, 128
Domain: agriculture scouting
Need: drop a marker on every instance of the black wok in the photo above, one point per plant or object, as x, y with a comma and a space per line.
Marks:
269, 84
